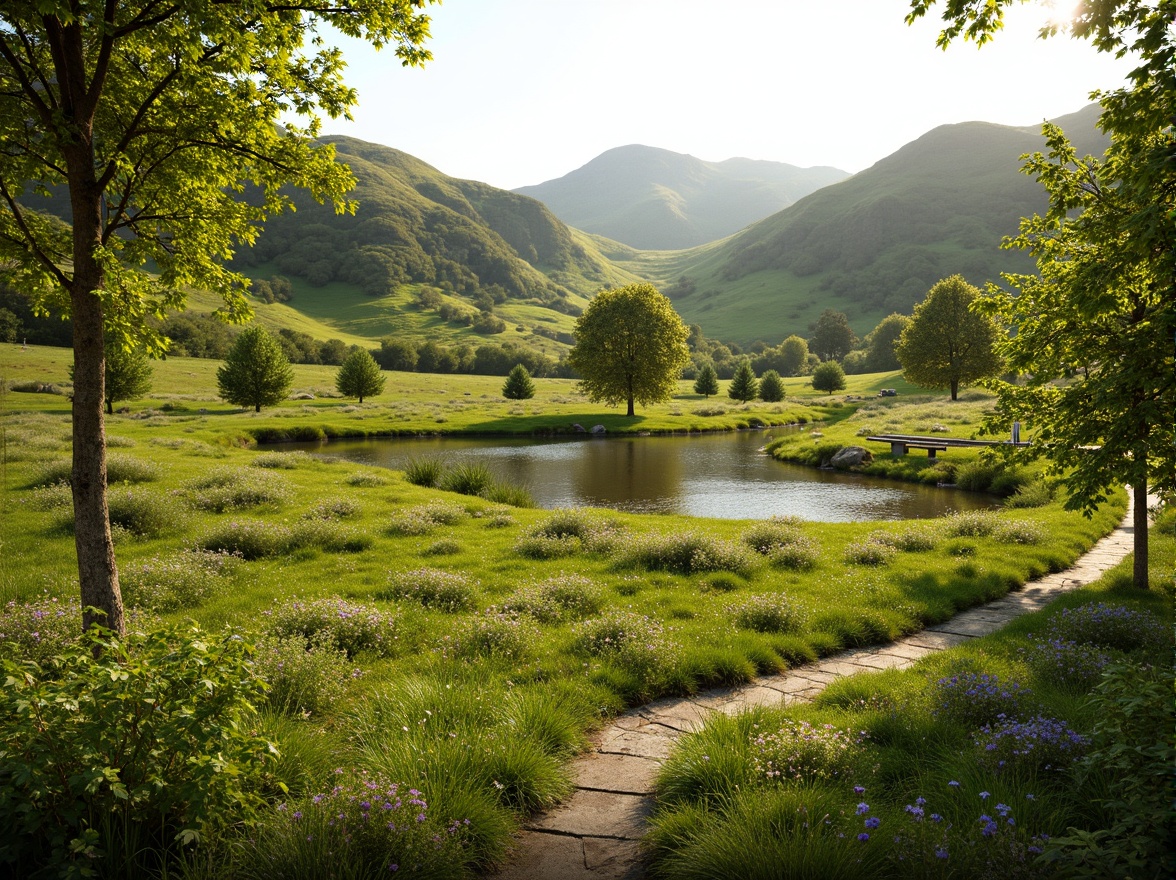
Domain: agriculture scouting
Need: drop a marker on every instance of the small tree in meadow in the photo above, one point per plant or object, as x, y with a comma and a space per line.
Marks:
518, 385
256, 371
771, 389
829, 377
128, 373
707, 382
359, 376
743, 387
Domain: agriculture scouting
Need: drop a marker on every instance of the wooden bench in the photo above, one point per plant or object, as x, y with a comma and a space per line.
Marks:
900, 447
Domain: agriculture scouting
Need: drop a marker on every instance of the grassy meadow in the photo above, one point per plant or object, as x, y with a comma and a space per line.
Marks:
457, 646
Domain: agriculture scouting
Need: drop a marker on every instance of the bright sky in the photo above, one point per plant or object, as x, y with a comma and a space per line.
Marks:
523, 91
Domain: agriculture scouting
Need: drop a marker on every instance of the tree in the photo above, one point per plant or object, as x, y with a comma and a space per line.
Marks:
128, 374
630, 346
359, 376
256, 371
771, 389
150, 120
1102, 314
947, 344
743, 385
794, 353
707, 382
396, 354
828, 377
879, 344
832, 338
518, 385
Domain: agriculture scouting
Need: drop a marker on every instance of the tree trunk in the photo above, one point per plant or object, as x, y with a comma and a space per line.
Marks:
1139, 527
955, 388
630, 412
97, 569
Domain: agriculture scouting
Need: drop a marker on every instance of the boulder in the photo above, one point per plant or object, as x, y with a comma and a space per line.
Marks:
578, 428
851, 456
599, 429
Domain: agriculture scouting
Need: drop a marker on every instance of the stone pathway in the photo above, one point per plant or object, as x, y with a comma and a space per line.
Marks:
595, 834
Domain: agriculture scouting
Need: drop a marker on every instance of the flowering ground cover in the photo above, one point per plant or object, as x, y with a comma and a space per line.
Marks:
426, 640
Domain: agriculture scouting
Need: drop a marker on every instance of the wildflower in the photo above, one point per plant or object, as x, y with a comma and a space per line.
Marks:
984, 795
954, 784
941, 853
873, 822
863, 837
859, 789
863, 808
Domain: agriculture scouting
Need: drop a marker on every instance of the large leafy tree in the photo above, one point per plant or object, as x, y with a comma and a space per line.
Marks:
833, 338
1096, 328
153, 121
630, 346
946, 344
879, 343
256, 371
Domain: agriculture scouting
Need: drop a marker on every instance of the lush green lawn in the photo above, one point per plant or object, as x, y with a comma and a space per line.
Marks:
496, 636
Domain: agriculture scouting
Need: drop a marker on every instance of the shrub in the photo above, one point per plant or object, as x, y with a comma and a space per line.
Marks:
688, 553
332, 508
467, 478
444, 547
977, 476
1111, 626
351, 626
615, 632
506, 636
226, 488
327, 535
305, 678
548, 547
177, 580
771, 613
801, 555
424, 518
120, 468
440, 590
143, 512
800, 751
595, 533
362, 825
765, 536
366, 479
424, 471
910, 540
178, 700
40, 629
1037, 744
975, 699
282, 460
557, 599
52, 496
971, 524
1035, 494
1072, 666
868, 553
249, 539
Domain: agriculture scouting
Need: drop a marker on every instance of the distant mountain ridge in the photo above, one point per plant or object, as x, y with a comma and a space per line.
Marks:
874, 243
655, 199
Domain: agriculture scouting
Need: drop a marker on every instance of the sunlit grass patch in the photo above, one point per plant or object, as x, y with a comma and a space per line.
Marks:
226, 489
433, 588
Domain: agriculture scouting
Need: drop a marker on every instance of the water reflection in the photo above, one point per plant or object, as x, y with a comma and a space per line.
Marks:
720, 475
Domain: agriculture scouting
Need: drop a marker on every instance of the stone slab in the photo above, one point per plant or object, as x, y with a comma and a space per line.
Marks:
622, 773
597, 814
621, 859
645, 743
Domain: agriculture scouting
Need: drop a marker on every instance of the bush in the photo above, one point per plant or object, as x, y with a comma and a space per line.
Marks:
688, 553
366, 479
828, 377
594, 532
771, 613
332, 509
1029, 746
249, 539
177, 580
143, 512
1072, 666
119, 469
350, 626
424, 471
304, 678
557, 599
178, 700
800, 751
1112, 626
1034, 494
440, 590
424, 518
973, 699
40, 629
360, 826
281, 460
868, 553
504, 636
910, 540
225, 489
548, 547
765, 536
467, 478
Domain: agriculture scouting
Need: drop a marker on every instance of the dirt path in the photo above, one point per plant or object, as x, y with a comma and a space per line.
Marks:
595, 833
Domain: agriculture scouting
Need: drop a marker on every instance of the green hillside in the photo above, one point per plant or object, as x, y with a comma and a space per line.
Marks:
872, 244
656, 199
426, 255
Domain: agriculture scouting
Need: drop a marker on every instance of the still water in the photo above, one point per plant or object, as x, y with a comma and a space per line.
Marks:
720, 475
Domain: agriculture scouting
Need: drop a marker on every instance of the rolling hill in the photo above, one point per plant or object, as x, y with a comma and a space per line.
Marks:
656, 199
872, 244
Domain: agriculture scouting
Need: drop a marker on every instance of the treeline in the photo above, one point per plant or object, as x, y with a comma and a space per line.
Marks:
488, 359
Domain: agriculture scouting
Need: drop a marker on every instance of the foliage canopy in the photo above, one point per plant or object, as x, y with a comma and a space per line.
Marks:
256, 372
359, 376
946, 344
630, 346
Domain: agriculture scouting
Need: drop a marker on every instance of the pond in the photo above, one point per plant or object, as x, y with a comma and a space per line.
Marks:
723, 475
